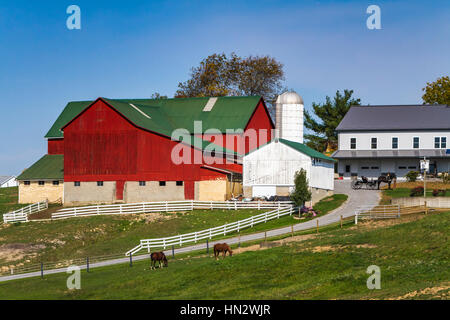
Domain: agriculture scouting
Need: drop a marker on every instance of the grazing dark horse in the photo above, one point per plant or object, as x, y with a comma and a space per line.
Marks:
222, 247
159, 257
387, 178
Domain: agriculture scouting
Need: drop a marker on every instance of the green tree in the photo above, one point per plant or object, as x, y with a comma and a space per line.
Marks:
330, 114
437, 92
157, 95
220, 75
301, 192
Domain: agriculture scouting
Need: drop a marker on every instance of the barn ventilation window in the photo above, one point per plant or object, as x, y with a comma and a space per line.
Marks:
56, 183
27, 183
162, 183
179, 183
99, 183
77, 183
142, 183
41, 183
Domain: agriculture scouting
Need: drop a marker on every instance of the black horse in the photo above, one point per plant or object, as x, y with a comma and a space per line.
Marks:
387, 178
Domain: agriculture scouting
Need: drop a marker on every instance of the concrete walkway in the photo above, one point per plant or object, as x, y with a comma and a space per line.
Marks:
355, 199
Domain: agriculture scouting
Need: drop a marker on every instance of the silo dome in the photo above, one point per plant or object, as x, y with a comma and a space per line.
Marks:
289, 97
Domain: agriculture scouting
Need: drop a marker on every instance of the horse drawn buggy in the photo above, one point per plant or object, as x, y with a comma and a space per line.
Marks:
373, 184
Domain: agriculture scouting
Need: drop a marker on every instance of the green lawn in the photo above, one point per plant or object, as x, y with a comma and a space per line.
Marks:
412, 256
8, 200
405, 192
78, 238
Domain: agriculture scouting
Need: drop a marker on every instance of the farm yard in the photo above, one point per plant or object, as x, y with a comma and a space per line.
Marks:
403, 189
328, 265
30, 243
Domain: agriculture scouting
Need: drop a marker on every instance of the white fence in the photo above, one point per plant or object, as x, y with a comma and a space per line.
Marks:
164, 206
193, 237
21, 215
377, 212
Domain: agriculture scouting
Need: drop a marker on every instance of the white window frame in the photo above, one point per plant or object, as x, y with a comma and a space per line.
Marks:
418, 143
356, 146
376, 143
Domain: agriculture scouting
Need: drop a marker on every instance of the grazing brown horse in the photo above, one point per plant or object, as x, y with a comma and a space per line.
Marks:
222, 247
159, 257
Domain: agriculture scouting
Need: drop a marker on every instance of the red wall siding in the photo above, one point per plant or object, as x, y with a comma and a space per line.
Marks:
101, 145
55, 146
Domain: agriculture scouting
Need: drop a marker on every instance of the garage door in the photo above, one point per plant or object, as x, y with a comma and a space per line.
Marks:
264, 191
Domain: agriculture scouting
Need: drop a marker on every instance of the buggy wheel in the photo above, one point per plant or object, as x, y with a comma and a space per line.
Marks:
356, 185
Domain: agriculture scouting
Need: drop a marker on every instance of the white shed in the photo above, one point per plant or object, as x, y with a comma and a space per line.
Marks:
271, 169
8, 181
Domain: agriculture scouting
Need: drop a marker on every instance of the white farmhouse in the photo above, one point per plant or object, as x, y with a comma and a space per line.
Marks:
375, 140
8, 181
270, 170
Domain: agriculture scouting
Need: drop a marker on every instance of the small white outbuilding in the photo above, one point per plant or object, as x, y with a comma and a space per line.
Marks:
8, 181
270, 170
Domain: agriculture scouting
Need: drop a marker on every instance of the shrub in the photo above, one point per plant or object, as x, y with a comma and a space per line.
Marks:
412, 176
417, 191
301, 193
437, 192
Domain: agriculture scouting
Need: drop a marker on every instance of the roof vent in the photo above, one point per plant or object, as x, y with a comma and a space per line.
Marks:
210, 104
145, 115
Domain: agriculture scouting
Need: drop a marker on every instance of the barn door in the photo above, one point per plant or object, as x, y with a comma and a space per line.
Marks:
119, 189
189, 190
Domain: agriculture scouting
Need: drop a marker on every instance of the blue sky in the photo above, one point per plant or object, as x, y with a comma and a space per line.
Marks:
131, 49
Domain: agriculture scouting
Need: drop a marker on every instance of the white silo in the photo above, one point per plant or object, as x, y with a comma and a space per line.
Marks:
289, 117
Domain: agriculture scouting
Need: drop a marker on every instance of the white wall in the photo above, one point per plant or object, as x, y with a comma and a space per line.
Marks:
384, 139
276, 164
10, 183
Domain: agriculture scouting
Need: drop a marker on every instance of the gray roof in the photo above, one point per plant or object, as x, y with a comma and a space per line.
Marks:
432, 153
400, 117
4, 179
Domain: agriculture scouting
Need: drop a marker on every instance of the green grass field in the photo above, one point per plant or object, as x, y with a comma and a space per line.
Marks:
78, 238
405, 192
8, 200
412, 252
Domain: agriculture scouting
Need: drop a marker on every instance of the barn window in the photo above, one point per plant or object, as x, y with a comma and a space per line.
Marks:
374, 168
443, 142
142, 183
402, 167
162, 183
77, 183
179, 183
27, 183
416, 142
99, 183
412, 167
56, 183
352, 143
364, 168
41, 183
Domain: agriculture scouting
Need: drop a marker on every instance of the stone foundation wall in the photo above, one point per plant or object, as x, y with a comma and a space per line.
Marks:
319, 194
152, 191
35, 193
89, 193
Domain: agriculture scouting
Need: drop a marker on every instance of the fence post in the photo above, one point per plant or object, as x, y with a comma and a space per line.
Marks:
398, 211
211, 205
259, 205
98, 209
210, 233
341, 221
292, 230
426, 209
224, 230
42, 270
235, 205
167, 209
356, 218
173, 251
207, 246
87, 264
239, 242
317, 225
192, 205
131, 259
265, 236
239, 225
75, 211
39, 206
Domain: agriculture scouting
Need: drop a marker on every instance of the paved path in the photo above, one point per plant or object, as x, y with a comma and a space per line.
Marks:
355, 199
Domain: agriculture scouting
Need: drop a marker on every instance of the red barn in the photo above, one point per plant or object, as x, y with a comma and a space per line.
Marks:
129, 149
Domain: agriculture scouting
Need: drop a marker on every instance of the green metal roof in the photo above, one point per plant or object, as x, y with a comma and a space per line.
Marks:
49, 167
306, 150
165, 115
